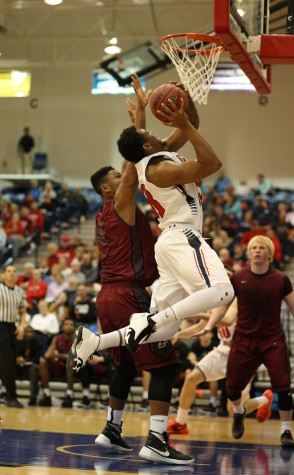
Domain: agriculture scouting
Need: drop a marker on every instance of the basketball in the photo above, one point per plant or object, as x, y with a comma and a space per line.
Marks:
162, 94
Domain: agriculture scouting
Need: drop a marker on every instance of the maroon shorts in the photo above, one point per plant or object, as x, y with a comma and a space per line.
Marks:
115, 304
57, 369
249, 352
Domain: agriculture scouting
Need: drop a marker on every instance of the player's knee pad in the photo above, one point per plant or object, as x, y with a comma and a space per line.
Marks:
234, 396
121, 382
160, 388
225, 292
285, 401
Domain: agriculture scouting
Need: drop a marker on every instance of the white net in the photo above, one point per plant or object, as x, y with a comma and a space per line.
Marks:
195, 63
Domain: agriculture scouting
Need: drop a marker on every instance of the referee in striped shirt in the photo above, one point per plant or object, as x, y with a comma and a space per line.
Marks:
12, 310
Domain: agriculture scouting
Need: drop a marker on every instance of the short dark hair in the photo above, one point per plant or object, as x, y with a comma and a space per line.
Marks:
130, 145
98, 178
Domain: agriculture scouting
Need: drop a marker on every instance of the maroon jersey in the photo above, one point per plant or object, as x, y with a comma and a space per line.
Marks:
127, 252
62, 346
259, 300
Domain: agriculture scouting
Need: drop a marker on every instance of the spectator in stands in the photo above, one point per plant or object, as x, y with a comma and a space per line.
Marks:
53, 365
36, 218
64, 194
5, 212
45, 324
24, 218
83, 309
35, 291
27, 200
66, 299
221, 183
66, 249
52, 258
239, 256
24, 278
3, 237
48, 192
261, 210
55, 287
64, 267
35, 190
225, 257
28, 352
290, 215
264, 185
90, 272
75, 267
79, 251
25, 147
232, 205
77, 242
255, 230
95, 257
15, 234
242, 188
217, 232
79, 204
277, 256
43, 266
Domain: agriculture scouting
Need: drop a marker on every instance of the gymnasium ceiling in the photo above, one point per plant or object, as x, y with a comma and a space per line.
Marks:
76, 32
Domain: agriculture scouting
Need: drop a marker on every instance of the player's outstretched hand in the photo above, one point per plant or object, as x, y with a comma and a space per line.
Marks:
131, 108
142, 96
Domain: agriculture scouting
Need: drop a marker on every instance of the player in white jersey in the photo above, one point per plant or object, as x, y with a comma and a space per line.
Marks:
192, 277
212, 368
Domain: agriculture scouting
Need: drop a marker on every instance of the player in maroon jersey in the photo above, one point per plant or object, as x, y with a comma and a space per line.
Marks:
259, 338
126, 247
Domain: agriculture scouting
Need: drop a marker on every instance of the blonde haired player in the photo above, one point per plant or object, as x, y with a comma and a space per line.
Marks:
259, 337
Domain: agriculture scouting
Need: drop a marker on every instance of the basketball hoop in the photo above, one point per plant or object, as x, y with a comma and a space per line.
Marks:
195, 57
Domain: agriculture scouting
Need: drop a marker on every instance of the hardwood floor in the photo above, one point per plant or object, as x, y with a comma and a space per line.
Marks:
54, 441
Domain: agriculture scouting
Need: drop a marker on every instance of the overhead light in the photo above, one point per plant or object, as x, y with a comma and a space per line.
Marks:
53, 2
112, 47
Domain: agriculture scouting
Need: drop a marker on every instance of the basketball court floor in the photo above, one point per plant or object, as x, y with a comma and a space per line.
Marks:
54, 441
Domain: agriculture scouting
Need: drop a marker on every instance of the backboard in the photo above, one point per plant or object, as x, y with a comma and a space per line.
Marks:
243, 28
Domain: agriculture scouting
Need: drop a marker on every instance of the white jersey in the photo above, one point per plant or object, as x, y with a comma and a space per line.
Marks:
225, 335
185, 199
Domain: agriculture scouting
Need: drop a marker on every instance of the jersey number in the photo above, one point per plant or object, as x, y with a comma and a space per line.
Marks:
156, 207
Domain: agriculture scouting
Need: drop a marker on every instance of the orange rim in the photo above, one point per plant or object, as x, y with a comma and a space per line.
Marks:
194, 36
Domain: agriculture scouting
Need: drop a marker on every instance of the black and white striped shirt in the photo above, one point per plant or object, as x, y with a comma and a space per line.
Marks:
11, 299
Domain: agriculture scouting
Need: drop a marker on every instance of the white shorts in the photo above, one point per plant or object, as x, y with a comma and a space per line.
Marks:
186, 264
214, 367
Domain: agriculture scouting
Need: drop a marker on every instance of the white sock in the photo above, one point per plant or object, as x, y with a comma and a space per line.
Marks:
112, 339
158, 423
213, 401
182, 415
201, 301
261, 401
114, 416
285, 425
239, 409
69, 392
47, 392
86, 392
145, 394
